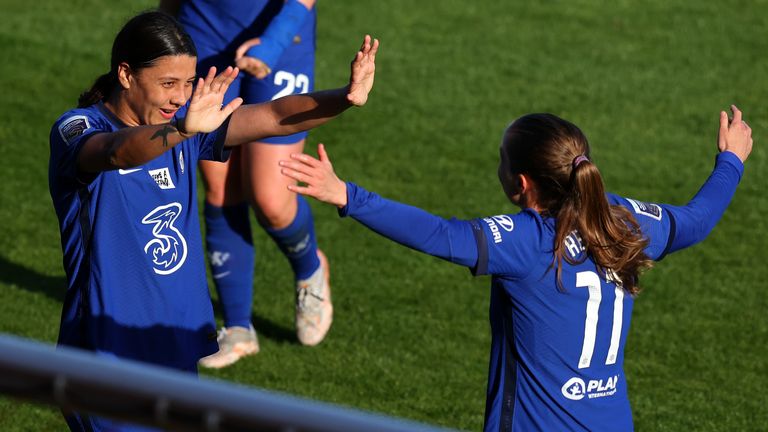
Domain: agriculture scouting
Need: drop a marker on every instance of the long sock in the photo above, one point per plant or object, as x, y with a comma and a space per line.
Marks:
297, 241
231, 255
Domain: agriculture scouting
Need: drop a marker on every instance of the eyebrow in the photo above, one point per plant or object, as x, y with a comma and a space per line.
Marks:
170, 78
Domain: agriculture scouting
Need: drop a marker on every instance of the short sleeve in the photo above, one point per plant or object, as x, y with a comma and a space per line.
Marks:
656, 224
68, 135
508, 245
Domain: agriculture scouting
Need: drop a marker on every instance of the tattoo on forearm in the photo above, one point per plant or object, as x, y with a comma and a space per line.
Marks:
163, 133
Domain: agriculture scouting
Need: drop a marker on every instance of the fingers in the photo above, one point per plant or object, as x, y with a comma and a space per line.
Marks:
211, 74
322, 153
297, 173
366, 46
303, 190
208, 80
723, 133
232, 106
198, 89
374, 50
368, 49
245, 46
224, 79
306, 160
736, 114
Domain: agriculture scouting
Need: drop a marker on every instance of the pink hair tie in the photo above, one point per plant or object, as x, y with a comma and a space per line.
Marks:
579, 159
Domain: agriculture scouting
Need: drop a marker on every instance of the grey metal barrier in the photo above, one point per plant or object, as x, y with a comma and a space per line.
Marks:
77, 380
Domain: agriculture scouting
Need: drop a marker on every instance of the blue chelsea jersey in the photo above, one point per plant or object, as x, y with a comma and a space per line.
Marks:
132, 247
557, 354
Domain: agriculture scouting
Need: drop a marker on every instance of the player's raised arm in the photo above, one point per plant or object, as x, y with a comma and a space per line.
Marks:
258, 56
134, 146
296, 113
695, 220
452, 240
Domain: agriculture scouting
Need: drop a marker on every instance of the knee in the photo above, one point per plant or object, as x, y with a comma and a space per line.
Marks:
275, 210
214, 194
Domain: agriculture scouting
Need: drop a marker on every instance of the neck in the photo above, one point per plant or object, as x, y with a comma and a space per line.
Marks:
528, 200
120, 108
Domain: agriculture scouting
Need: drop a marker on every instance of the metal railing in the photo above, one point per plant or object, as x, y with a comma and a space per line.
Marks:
77, 380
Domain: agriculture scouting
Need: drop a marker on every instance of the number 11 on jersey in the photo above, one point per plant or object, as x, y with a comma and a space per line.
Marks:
591, 281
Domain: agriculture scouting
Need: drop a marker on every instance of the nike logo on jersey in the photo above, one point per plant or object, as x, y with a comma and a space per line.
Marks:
128, 171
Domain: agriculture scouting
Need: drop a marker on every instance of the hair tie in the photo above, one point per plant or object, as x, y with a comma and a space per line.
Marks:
579, 159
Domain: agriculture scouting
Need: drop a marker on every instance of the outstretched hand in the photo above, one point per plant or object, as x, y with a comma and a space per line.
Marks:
318, 175
363, 70
735, 135
250, 64
206, 111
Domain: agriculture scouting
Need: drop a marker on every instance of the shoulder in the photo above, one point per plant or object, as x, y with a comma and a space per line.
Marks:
76, 123
527, 223
641, 210
511, 244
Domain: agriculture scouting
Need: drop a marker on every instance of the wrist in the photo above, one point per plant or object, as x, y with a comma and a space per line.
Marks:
341, 199
181, 127
280, 33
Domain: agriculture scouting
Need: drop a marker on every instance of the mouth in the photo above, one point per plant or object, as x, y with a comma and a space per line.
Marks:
167, 113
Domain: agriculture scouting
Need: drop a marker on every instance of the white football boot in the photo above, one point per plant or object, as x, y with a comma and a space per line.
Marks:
314, 310
234, 344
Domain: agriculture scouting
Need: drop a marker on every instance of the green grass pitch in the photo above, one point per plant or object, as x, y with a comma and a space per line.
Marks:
644, 80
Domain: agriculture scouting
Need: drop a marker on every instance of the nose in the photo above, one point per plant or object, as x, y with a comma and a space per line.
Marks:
179, 96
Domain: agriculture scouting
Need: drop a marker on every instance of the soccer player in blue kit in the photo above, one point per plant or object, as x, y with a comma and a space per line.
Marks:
122, 176
564, 269
273, 43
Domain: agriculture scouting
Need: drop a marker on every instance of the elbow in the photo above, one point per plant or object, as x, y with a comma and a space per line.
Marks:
116, 156
115, 160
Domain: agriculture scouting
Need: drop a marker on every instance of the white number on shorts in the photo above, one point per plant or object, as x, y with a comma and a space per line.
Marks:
591, 281
292, 84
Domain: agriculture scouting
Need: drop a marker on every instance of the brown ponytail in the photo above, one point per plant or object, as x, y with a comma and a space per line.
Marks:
554, 153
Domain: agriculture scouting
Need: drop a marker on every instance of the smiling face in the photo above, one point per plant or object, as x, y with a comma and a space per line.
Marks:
153, 94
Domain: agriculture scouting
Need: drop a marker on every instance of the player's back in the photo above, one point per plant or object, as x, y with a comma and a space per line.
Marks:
557, 348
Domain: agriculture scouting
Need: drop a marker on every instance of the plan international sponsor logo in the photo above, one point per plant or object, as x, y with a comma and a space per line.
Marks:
576, 389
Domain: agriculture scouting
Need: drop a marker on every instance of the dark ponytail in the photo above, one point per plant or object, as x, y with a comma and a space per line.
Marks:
142, 40
99, 90
555, 154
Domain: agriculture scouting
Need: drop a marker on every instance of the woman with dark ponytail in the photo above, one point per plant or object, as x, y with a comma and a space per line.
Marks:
565, 269
122, 175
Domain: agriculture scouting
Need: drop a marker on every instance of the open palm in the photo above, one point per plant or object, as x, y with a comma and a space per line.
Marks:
363, 70
206, 112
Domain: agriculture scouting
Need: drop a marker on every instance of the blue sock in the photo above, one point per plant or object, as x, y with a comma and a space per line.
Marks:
231, 255
298, 242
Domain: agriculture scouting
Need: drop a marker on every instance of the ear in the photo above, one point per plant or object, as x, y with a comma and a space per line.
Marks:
124, 75
527, 191
523, 183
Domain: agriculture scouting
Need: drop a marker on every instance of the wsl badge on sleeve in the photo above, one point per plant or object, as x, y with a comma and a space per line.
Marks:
73, 127
646, 209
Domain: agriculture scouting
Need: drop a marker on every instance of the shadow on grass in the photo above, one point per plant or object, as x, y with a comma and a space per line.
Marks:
54, 287
264, 327
15, 274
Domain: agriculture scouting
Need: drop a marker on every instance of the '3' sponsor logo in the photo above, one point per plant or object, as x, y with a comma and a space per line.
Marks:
168, 248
